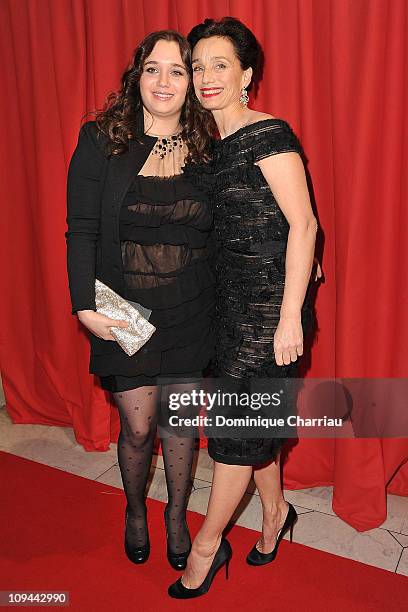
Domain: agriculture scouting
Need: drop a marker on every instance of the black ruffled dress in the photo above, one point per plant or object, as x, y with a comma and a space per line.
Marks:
251, 232
165, 234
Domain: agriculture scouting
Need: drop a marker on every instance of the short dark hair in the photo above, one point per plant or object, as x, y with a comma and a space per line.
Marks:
247, 48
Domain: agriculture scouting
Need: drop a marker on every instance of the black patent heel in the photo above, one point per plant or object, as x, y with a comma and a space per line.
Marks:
291, 531
222, 556
255, 557
139, 554
227, 568
178, 561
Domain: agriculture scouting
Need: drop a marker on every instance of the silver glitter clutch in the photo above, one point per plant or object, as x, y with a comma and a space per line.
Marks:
112, 305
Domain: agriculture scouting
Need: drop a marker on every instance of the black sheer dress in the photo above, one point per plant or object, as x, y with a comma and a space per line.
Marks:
165, 234
251, 232
165, 229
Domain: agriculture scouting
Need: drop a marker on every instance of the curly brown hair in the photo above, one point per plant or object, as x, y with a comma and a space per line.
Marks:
121, 118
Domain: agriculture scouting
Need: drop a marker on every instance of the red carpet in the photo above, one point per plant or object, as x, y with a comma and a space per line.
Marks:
65, 532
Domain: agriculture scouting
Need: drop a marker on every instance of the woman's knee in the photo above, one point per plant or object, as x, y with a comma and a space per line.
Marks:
137, 436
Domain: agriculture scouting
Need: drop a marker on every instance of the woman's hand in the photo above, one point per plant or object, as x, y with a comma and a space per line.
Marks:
98, 324
288, 339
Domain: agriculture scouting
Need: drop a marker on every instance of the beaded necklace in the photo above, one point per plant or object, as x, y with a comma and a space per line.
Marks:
167, 144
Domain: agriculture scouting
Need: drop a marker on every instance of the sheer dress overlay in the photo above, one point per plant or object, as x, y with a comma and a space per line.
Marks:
165, 237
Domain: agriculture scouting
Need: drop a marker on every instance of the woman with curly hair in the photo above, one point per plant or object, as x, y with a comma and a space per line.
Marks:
136, 223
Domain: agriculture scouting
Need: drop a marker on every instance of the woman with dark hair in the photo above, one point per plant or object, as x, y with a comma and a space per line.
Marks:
266, 231
139, 226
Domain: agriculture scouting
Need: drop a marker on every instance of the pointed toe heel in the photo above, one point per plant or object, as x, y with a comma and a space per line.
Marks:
255, 557
222, 557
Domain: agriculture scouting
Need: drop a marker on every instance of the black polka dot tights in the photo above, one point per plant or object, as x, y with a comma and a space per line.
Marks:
138, 411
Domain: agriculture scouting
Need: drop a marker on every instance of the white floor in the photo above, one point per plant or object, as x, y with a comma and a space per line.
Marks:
317, 527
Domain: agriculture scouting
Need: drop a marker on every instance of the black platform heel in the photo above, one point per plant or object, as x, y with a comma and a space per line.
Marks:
222, 557
138, 554
178, 561
257, 558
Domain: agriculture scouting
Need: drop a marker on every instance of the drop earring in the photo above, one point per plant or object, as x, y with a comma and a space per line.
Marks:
244, 99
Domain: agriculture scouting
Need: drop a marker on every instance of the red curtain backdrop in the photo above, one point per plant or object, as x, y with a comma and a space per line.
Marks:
336, 71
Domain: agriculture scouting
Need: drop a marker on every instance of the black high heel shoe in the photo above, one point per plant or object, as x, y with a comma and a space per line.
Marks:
178, 561
222, 556
138, 554
257, 558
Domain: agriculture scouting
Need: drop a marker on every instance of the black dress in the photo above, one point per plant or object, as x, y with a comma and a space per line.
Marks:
252, 233
165, 235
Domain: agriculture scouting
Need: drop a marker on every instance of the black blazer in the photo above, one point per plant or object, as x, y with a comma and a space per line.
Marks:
97, 185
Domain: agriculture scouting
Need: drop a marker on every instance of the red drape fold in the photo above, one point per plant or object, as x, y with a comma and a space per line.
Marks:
336, 71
